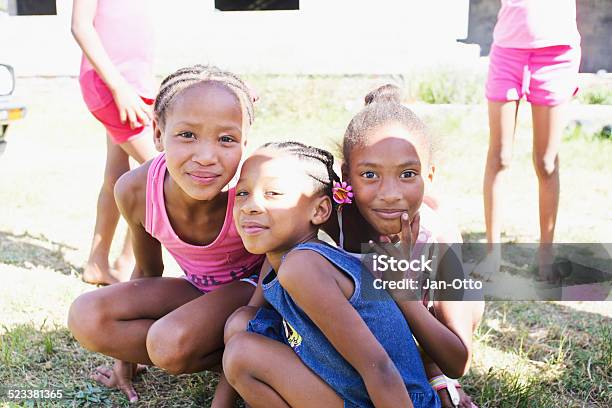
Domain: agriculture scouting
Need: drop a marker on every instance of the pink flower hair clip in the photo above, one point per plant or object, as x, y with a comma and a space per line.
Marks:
342, 193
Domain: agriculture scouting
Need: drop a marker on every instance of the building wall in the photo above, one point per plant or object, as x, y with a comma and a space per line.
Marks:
594, 24
323, 37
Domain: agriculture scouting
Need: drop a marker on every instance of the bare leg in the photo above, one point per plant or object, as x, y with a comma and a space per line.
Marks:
502, 125
258, 367
115, 320
140, 149
225, 395
97, 270
124, 264
161, 321
548, 124
190, 339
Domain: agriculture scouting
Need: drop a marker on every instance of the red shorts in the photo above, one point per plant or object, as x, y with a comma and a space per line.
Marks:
119, 132
546, 76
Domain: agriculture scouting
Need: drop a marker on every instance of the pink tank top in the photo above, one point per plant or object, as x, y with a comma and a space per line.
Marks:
536, 24
126, 31
207, 267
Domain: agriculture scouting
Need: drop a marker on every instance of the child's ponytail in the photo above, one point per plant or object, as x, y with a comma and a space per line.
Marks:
387, 93
382, 105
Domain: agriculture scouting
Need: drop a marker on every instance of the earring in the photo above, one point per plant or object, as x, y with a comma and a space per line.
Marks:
342, 192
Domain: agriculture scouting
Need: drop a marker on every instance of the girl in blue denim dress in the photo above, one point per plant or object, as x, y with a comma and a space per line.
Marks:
321, 343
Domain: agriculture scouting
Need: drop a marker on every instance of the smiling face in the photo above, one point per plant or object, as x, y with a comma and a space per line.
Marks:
276, 204
203, 138
388, 174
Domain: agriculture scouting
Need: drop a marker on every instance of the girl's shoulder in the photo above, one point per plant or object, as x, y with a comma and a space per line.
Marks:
314, 264
305, 257
302, 254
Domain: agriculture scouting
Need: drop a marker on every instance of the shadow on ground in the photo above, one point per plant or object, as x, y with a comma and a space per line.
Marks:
29, 251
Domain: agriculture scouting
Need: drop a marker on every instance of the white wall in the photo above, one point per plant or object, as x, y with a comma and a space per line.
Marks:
324, 36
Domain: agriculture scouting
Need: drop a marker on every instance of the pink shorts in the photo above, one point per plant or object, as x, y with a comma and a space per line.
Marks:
119, 132
546, 76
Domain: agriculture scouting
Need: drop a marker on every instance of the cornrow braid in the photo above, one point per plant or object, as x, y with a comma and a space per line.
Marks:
184, 78
319, 164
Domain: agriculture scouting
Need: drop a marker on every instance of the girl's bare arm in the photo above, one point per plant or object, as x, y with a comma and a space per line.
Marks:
130, 191
326, 304
130, 106
83, 14
258, 300
447, 336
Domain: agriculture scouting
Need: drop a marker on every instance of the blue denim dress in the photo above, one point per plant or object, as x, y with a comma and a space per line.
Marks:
288, 324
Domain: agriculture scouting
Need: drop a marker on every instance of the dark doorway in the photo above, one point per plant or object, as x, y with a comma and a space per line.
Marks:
254, 5
36, 7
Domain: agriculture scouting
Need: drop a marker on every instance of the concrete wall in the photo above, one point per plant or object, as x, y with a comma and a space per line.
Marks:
323, 37
594, 24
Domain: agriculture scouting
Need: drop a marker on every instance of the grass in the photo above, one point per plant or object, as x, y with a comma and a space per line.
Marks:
450, 86
596, 95
527, 354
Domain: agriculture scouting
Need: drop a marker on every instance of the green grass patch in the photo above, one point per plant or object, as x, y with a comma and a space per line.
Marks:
449, 86
600, 94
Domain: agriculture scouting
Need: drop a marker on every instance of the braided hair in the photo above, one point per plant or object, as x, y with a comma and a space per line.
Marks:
319, 164
184, 78
382, 105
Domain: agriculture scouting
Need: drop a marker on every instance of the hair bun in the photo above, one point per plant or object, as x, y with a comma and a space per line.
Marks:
387, 93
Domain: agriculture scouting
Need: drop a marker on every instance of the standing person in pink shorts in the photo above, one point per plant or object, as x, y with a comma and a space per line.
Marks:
536, 55
118, 88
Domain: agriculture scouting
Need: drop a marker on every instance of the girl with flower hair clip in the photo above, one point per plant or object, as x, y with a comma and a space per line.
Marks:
386, 173
320, 341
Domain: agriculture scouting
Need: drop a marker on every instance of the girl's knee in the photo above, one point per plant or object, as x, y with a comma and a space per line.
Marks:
170, 347
86, 319
237, 322
236, 357
546, 167
500, 160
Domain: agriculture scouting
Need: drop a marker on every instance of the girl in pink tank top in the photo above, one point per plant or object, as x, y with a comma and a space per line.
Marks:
387, 162
180, 201
207, 267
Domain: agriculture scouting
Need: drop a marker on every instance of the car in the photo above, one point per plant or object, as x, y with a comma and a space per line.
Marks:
10, 108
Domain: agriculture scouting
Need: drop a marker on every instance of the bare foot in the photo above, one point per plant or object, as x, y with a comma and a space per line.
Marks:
488, 267
120, 376
123, 268
98, 273
545, 264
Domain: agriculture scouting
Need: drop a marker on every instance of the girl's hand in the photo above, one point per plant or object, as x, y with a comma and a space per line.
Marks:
120, 376
399, 247
131, 106
464, 402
